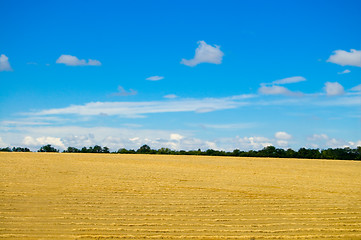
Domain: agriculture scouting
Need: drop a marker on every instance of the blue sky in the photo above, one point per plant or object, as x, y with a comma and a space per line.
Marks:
180, 74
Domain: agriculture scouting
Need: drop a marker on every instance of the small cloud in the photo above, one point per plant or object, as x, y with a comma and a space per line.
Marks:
282, 143
122, 92
4, 63
155, 78
334, 89
30, 141
274, 89
356, 88
283, 136
205, 54
134, 139
176, 137
344, 71
289, 80
170, 96
254, 142
93, 62
277, 90
74, 61
343, 58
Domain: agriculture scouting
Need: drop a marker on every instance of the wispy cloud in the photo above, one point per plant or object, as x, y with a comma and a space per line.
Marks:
170, 96
273, 88
295, 79
277, 90
122, 92
343, 58
137, 109
70, 60
4, 63
344, 71
205, 54
154, 78
356, 88
140, 109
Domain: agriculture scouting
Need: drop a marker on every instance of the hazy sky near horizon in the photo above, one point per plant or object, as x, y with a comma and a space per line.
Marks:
180, 74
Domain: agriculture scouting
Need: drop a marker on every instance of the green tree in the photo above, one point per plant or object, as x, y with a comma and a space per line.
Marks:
48, 148
144, 149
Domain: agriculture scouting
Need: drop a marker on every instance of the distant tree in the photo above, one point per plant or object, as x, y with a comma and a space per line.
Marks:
308, 153
72, 150
269, 151
122, 151
97, 149
290, 153
7, 149
105, 150
144, 149
84, 150
48, 148
20, 149
236, 152
164, 151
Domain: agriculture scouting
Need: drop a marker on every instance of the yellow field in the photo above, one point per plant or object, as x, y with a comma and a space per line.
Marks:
96, 196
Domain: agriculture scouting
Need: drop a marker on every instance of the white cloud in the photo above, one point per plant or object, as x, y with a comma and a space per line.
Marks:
155, 78
176, 136
74, 61
343, 58
40, 141
344, 71
354, 144
114, 138
323, 141
136, 109
282, 143
356, 88
205, 54
282, 139
283, 136
170, 96
4, 63
132, 138
247, 143
277, 90
122, 92
289, 80
93, 62
334, 89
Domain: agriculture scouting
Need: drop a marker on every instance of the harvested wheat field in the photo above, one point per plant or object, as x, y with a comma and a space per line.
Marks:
100, 196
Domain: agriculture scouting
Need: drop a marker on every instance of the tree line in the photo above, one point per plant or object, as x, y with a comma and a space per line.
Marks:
270, 151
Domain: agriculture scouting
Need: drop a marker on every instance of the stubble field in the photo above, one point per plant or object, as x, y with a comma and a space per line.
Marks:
100, 196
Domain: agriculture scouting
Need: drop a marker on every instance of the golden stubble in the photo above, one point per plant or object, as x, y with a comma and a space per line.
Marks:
100, 196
